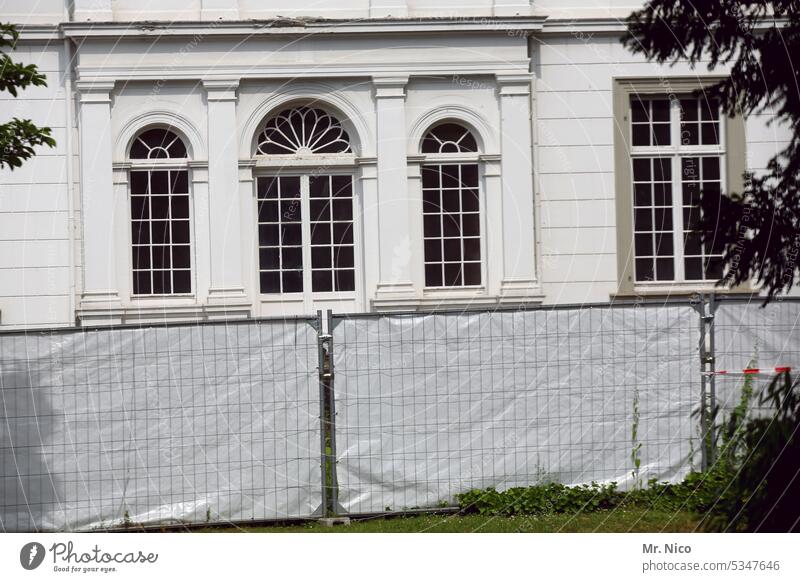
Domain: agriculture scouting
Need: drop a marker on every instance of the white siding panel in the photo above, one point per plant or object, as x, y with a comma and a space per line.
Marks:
38, 170
33, 226
586, 186
41, 311
571, 159
34, 281
33, 197
577, 214
583, 104
579, 268
33, 253
594, 292
575, 131
579, 241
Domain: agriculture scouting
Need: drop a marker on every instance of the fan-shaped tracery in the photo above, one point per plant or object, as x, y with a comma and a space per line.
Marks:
303, 130
449, 138
157, 143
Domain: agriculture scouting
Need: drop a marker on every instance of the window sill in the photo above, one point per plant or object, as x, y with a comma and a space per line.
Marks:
680, 290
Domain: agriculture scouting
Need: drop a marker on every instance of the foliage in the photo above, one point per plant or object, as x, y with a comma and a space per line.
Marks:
760, 226
18, 137
765, 485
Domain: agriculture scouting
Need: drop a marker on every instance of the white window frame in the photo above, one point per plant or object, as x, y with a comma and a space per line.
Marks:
340, 167
732, 166
676, 151
163, 164
426, 159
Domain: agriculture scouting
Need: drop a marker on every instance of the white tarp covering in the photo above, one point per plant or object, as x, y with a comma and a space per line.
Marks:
159, 425
747, 335
433, 405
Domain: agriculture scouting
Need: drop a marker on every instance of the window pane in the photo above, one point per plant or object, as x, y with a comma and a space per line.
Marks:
644, 270
661, 135
639, 110
139, 182
641, 195
268, 211
343, 257
292, 258
470, 224
433, 250
343, 209
269, 258
472, 249
321, 257
452, 274
291, 234
162, 282
665, 270
643, 244
693, 268
710, 133
292, 281
180, 181
180, 231
433, 275
345, 279
141, 283
140, 207
342, 233
660, 109
180, 257
270, 281
159, 207
472, 274
641, 169
179, 206
640, 134
182, 281
321, 281
470, 201
159, 182
141, 257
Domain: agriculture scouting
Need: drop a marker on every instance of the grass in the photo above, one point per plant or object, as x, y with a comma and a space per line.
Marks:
614, 521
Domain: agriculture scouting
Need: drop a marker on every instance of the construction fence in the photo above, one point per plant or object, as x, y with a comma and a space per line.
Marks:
273, 419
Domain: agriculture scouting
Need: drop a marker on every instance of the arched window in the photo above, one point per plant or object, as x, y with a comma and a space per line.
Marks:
451, 207
305, 211
303, 130
160, 214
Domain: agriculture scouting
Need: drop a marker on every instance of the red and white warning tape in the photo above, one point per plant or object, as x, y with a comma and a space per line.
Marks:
752, 371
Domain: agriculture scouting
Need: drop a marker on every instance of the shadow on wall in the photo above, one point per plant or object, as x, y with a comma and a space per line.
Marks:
29, 494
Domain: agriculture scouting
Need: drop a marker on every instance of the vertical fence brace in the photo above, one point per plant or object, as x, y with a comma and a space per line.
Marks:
327, 408
706, 308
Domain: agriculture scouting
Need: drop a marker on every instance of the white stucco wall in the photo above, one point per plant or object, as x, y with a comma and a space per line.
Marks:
443, 75
34, 219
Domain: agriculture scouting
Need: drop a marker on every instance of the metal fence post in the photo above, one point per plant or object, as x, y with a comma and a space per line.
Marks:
708, 398
712, 385
323, 509
330, 487
701, 310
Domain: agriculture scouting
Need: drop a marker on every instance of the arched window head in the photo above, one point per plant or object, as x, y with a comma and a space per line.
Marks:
303, 130
449, 138
157, 143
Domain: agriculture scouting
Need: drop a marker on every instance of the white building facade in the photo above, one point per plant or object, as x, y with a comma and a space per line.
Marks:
234, 158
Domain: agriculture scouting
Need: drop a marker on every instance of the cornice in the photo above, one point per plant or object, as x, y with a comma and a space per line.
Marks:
301, 26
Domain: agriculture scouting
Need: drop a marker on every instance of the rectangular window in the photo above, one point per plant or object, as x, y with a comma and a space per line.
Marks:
280, 239
676, 152
332, 250
160, 232
451, 225
305, 234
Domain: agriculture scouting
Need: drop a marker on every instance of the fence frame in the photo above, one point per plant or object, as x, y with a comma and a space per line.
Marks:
705, 304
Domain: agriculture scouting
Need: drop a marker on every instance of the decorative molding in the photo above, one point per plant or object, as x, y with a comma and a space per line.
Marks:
220, 89
299, 27
177, 121
484, 133
390, 86
351, 115
514, 84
